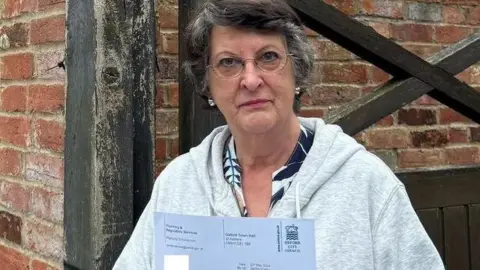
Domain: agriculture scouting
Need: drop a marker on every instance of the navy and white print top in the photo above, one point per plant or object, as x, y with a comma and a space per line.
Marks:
281, 178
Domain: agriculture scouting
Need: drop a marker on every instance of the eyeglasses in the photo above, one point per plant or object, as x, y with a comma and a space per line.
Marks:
231, 66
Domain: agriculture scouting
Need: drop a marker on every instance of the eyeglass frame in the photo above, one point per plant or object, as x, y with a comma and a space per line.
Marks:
255, 64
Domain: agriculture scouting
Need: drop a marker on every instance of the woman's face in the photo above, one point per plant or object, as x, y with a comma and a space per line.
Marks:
256, 100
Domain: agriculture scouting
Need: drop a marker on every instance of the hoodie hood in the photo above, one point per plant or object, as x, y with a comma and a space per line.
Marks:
330, 150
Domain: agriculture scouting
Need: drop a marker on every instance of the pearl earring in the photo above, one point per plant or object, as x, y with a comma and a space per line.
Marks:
211, 102
297, 91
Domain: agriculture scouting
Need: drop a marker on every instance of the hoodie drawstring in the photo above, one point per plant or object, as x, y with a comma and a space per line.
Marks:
297, 200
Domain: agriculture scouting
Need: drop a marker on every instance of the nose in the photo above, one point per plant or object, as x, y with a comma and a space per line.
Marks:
251, 79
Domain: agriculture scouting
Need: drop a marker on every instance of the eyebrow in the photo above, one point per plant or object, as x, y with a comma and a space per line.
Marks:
234, 54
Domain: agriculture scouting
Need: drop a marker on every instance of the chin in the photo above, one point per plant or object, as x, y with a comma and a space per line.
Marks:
258, 123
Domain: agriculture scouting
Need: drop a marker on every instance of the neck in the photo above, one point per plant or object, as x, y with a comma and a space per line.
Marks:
268, 150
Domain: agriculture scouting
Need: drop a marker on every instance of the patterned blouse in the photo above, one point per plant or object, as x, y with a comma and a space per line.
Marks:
281, 178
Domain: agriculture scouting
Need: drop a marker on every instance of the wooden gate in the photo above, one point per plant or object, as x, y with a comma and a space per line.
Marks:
447, 201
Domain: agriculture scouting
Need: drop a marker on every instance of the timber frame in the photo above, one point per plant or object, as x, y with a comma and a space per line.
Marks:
110, 113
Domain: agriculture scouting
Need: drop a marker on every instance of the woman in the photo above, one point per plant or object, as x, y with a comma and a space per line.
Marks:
249, 59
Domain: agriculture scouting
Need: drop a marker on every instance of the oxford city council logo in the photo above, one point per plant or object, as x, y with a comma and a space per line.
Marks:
292, 233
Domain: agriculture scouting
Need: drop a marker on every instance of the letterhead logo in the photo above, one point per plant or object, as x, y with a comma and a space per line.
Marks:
292, 232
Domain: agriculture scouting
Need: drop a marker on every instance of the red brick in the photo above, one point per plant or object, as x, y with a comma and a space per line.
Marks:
166, 122
423, 51
159, 95
16, 7
44, 169
46, 98
361, 138
39, 265
173, 148
328, 50
345, 6
10, 162
475, 71
426, 100
377, 75
51, 4
412, 32
424, 12
345, 73
17, 66
14, 196
318, 113
457, 135
448, 116
420, 158
473, 16
11, 227
160, 149
417, 117
14, 130
385, 122
475, 134
168, 17
172, 95
169, 42
382, 28
450, 34
385, 8
50, 134
17, 34
47, 66
461, 2
45, 239
453, 14
13, 99
309, 32
388, 138
12, 259
48, 30
47, 204
465, 76
329, 95
463, 156
368, 89
429, 138
168, 67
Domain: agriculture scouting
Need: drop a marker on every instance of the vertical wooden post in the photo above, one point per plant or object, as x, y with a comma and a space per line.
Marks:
195, 121
109, 126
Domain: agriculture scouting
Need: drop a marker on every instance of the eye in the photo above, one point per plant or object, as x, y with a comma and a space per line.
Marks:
270, 56
228, 62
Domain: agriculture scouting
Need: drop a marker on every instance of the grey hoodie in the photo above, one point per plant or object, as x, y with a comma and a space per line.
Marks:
363, 216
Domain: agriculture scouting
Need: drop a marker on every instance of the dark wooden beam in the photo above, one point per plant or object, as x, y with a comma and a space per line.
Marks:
195, 122
384, 53
143, 66
104, 132
366, 111
442, 188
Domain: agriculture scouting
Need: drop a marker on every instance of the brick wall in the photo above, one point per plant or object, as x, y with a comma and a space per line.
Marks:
424, 134
32, 98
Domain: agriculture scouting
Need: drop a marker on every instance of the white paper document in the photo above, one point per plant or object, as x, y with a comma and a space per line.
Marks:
224, 243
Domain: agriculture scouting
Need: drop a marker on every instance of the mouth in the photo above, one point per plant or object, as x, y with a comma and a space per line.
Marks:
254, 103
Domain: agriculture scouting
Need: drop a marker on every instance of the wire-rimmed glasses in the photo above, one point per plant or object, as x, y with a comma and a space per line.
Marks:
232, 66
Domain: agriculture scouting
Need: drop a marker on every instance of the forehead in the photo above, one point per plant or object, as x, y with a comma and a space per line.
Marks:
243, 41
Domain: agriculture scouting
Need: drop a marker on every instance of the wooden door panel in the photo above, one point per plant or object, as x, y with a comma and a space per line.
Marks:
456, 238
432, 220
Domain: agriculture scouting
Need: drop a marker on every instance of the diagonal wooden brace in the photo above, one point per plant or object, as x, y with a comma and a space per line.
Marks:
396, 93
363, 41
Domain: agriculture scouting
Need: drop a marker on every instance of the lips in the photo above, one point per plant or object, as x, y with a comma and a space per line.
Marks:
254, 102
